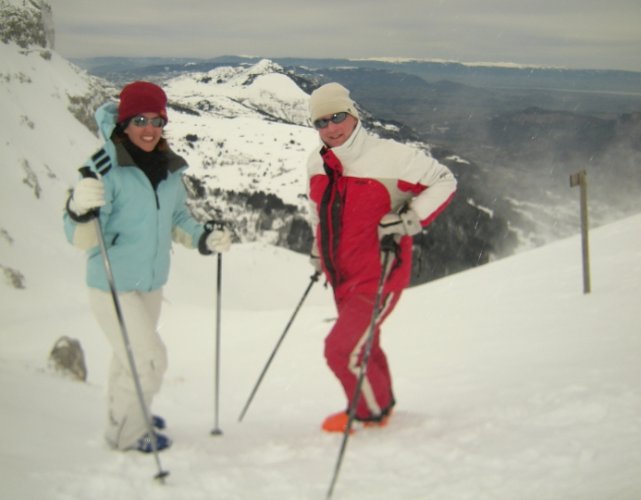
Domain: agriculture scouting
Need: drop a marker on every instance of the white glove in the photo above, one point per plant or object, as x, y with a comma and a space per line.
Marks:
314, 258
88, 195
219, 240
405, 223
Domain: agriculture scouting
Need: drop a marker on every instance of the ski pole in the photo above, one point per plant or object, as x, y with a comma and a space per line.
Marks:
216, 431
388, 246
86, 172
313, 279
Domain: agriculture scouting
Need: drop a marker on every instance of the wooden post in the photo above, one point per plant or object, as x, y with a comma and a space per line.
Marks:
580, 179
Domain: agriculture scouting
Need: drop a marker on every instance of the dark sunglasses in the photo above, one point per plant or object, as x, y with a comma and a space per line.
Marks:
335, 118
143, 121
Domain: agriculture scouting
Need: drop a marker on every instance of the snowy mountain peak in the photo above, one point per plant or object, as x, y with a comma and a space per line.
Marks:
245, 133
264, 67
261, 90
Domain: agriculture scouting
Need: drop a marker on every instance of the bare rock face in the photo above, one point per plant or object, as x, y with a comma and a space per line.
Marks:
68, 358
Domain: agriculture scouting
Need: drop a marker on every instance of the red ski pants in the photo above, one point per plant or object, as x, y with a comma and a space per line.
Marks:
345, 346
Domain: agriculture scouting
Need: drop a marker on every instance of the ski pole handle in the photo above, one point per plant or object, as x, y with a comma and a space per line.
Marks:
87, 172
389, 244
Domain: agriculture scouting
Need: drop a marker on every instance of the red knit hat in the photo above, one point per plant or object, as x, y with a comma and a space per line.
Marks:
141, 97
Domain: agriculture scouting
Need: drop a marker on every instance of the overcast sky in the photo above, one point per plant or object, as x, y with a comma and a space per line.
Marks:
598, 34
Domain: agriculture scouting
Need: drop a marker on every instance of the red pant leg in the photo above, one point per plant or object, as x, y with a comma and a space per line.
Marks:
344, 348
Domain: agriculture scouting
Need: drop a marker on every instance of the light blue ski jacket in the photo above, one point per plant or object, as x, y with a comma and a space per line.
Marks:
138, 223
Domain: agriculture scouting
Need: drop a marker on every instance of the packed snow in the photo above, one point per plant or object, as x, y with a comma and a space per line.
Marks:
511, 383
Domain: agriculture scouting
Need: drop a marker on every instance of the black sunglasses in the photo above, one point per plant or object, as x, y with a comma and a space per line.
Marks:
335, 118
142, 121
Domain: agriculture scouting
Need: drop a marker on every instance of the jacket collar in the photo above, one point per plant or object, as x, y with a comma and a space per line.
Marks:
175, 162
353, 146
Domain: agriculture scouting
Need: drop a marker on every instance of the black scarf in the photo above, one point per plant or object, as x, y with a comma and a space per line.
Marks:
153, 164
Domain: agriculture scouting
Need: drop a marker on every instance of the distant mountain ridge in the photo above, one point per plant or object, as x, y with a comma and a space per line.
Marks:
533, 121
482, 75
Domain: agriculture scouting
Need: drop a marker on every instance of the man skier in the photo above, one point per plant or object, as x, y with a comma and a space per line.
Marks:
362, 189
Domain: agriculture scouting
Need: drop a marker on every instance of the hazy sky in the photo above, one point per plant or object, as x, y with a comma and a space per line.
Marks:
600, 34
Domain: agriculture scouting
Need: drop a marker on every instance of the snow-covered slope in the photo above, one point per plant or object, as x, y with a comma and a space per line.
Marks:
511, 383
42, 145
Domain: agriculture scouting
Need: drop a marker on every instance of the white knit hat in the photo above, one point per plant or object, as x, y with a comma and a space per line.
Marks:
329, 99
